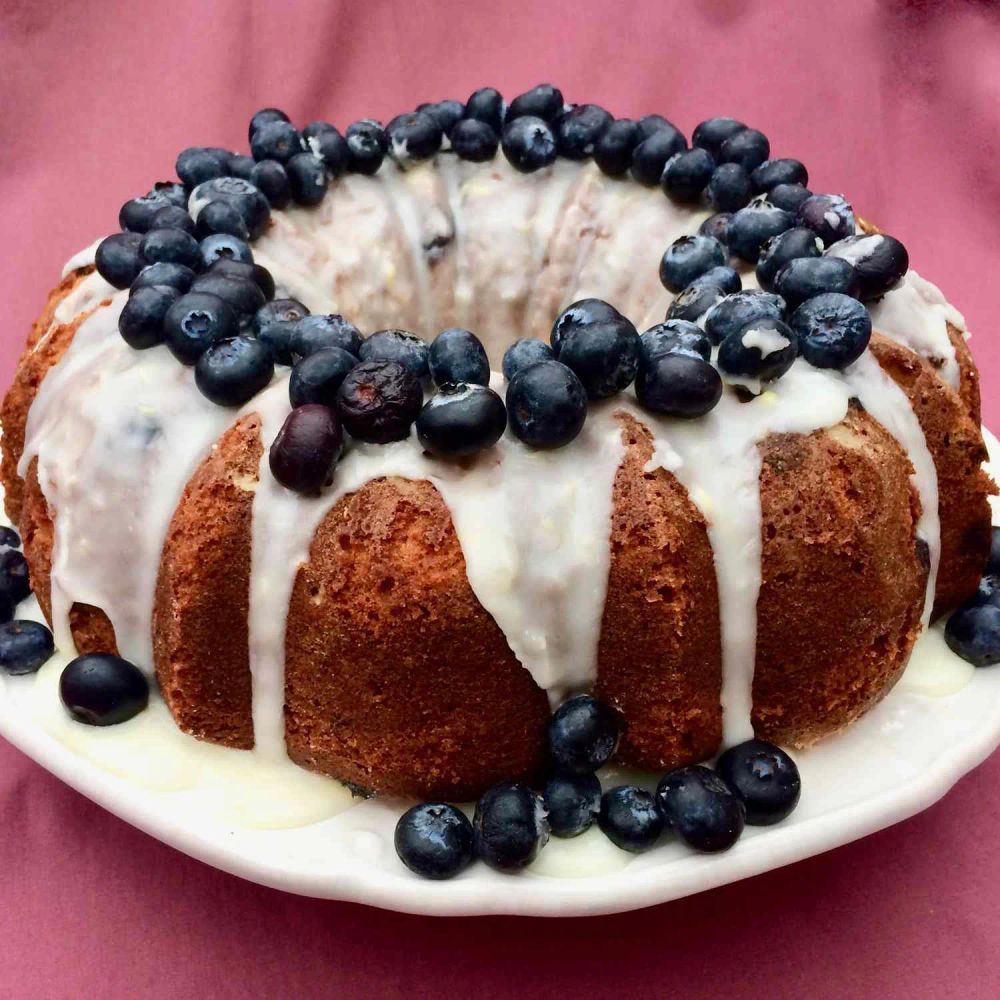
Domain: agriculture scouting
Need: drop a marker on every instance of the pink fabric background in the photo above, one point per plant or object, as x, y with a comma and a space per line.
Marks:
895, 103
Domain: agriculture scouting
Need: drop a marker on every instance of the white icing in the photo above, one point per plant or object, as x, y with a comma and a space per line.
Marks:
85, 258
766, 341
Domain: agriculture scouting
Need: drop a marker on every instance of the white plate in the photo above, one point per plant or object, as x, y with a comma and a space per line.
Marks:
941, 720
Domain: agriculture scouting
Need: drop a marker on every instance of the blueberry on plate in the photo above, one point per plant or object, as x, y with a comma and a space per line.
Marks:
170, 246
241, 166
9, 538
790, 197
753, 226
198, 164
318, 331
546, 405
413, 136
241, 293
973, 633
578, 130
879, 262
992, 564
486, 105
234, 370
771, 173
700, 808
318, 377
458, 355
474, 140
219, 245
434, 840
678, 384
764, 777
250, 204
367, 145
306, 451
748, 147
271, 179
674, 336
689, 257
273, 324
24, 647
141, 320
460, 419
696, 299
729, 188
14, 582
603, 354
172, 217
401, 346
118, 259
544, 101
613, 150
581, 313
582, 735
717, 226
833, 330
220, 217
650, 156
325, 142
446, 113
510, 827
765, 349
528, 143
829, 216
713, 132
687, 174
276, 140
803, 277
780, 249
307, 178
573, 801
171, 275
194, 322
378, 401
264, 117
734, 312
630, 819
100, 689
523, 353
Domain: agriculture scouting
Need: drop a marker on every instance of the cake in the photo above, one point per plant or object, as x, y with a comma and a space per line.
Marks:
763, 567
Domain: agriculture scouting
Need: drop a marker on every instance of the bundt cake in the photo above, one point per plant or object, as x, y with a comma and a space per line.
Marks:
720, 532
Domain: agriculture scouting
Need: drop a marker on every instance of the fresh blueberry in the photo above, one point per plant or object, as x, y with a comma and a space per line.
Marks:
510, 827
447, 114
582, 735
398, 345
523, 353
765, 349
317, 378
324, 141
314, 333
696, 299
265, 117
833, 330
803, 277
233, 371
221, 217
99, 689
790, 197
474, 140
250, 204
780, 249
458, 355
367, 145
378, 401
678, 384
729, 188
578, 130
528, 143
753, 226
650, 124
7, 608
194, 322
689, 257
748, 147
573, 801
734, 312
544, 101
240, 270
307, 178
992, 564
879, 262
700, 808
276, 140
603, 354
170, 246
242, 294
220, 245
613, 149
546, 405
713, 132
270, 178
197, 164
629, 818
136, 215
726, 278
118, 259
172, 217
175, 193
274, 323
14, 582
771, 173
717, 226
413, 136
434, 840
973, 632
241, 166
581, 313
9, 538
486, 105
687, 174
650, 156
141, 320
24, 647
306, 451
462, 418
675, 336
829, 216
172, 275
764, 777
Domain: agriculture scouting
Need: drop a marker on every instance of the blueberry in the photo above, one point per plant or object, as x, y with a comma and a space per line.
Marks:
7, 608
14, 582
221, 217
170, 246
572, 801
833, 330
748, 147
687, 174
717, 226
194, 322
314, 333
879, 262
578, 130
462, 418
243, 294
172, 275
700, 808
325, 142
232, 268
398, 345
771, 173
523, 353
689, 257
434, 840
803, 277
678, 384
650, 156
510, 827
729, 188
649, 124
265, 117
219, 245
447, 114
829, 216
306, 450
675, 336
779, 250
241, 166
99, 689
174, 193
582, 735
726, 278
603, 354
613, 149
172, 217
695, 300
24, 647
528, 143
307, 178
197, 164
367, 145
765, 349
546, 405
973, 633
713, 132
141, 320
735, 311
486, 105
271, 179
789, 197
273, 324
413, 136
992, 564
378, 401
458, 355
241, 195
474, 140
629, 818
544, 101
581, 313
317, 378
233, 371
9, 538
753, 226
276, 140
136, 215
764, 777
118, 259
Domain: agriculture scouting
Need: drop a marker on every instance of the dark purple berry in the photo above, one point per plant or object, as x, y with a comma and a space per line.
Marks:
307, 449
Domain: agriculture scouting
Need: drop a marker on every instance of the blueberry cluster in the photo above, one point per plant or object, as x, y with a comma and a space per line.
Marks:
973, 630
24, 644
754, 783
